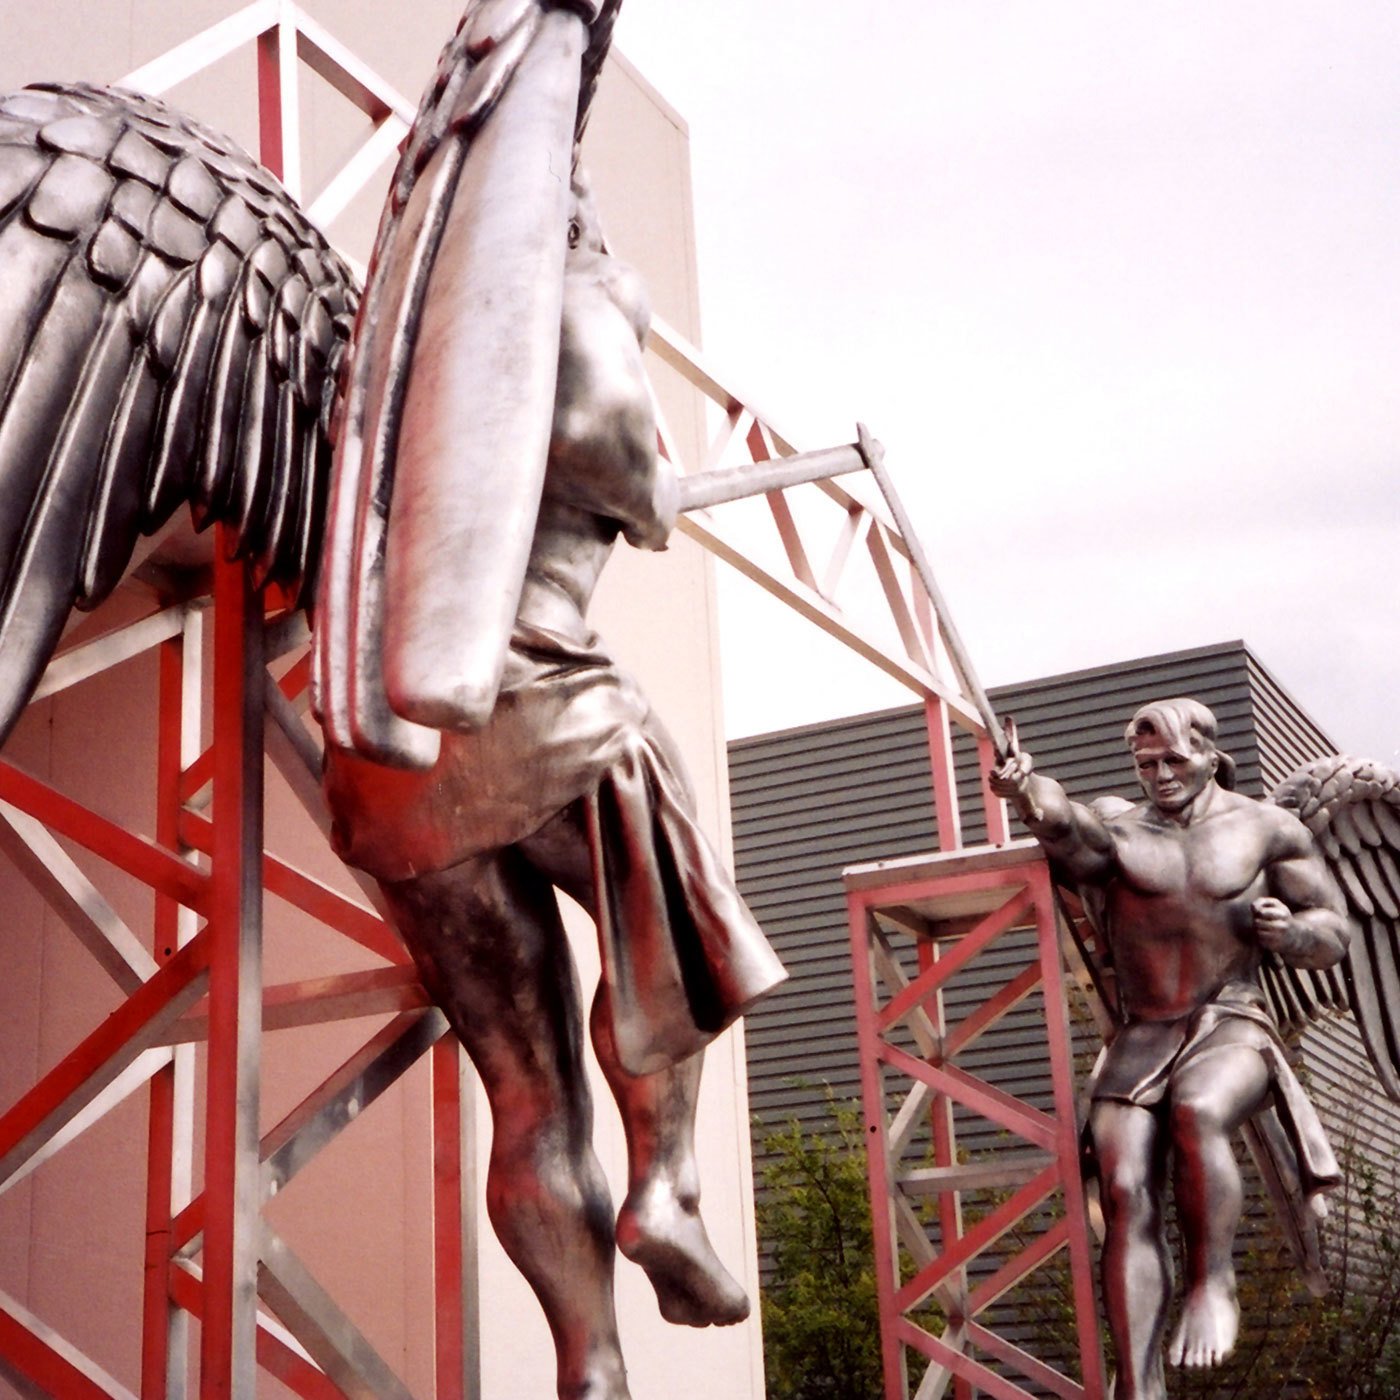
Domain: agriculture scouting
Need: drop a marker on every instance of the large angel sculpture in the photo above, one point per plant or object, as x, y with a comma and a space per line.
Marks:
1210, 907
177, 332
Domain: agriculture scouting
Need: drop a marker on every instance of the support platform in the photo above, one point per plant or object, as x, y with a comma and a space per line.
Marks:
966, 1242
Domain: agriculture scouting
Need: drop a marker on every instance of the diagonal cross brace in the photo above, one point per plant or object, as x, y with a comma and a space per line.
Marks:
135, 1027
312, 1316
328, 1110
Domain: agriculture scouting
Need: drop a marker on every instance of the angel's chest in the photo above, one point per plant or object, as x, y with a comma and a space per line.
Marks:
1192, 865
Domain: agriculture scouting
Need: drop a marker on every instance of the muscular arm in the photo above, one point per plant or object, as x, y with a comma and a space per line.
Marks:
1072, 835
1304, 919
602, 451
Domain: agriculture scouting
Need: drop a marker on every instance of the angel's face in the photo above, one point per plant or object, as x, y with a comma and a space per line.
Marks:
1173, 779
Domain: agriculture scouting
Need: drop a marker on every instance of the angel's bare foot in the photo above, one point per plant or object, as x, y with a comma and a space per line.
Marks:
663, 1233
1210, 1324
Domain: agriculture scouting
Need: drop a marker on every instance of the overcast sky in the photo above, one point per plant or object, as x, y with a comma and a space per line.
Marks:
1116, 285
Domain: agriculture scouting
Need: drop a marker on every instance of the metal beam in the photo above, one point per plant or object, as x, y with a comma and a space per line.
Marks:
333, 1342
41, 1363
343, 996
325, 1113
279, 1353
78, 1079
203, 50
33, 851
137, 1074
150, 863
231, 1186
110, 649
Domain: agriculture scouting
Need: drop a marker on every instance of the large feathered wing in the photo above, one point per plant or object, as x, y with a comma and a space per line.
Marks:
441, 454
171, 328
1352, 809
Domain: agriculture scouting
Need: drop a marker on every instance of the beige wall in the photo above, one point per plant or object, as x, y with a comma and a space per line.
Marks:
71, 1235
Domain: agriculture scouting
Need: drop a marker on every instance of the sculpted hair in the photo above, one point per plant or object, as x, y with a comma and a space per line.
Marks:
1180, 724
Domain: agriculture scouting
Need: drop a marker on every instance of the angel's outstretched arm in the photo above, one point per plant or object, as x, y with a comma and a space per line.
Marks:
1073, 835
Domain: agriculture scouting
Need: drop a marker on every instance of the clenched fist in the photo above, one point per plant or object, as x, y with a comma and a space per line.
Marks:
1272, 921
1009, 778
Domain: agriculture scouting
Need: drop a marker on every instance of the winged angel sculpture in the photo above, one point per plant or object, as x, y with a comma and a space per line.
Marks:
445, 471
1213, 909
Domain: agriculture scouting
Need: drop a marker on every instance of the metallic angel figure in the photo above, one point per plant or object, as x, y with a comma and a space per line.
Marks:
1194, 889
175, 331
572, 783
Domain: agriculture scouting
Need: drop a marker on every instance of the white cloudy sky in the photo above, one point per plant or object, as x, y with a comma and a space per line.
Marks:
1115, 283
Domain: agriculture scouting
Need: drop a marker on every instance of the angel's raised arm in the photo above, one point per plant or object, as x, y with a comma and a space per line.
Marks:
1073, 835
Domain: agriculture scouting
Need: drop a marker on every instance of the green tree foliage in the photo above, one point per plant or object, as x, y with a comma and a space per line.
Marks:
821, 1328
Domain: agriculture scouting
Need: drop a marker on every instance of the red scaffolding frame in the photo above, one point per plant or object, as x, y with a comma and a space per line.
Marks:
915, 925
210, 1253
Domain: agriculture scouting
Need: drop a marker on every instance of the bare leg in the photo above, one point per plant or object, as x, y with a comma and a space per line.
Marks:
488, 940
1210, 1098
1130, 1144
659, 1226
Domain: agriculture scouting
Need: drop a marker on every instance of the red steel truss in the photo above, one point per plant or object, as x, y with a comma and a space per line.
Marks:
916, 924
211, 1254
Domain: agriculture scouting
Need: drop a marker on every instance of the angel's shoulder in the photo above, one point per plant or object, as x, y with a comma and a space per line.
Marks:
1288, 837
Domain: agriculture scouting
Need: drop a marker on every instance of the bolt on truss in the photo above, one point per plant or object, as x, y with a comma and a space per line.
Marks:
963, 1241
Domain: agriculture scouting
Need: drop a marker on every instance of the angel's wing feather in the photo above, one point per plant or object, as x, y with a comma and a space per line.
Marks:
1352, 809
440, 463
173, 326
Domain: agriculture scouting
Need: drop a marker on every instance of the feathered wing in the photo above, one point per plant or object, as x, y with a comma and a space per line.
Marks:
441, 452
1352, 809
171, 329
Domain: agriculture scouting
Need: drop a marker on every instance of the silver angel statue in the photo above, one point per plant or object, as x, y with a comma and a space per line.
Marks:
1221, 917
449, 468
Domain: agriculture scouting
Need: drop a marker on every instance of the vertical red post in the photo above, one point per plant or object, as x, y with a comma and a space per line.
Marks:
1061, 1042
947, 815
945, 1154
279, 118
270, 100
884, 1237
228, 1364
160, 1319
449, 1265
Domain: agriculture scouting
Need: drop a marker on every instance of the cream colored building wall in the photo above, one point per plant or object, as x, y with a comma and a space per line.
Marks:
71, 1236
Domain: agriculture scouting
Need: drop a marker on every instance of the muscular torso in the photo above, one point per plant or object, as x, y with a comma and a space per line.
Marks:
1179, 904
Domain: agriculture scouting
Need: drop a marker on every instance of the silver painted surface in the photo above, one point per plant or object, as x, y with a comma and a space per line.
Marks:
333, 1341
1193, 887
569, 783
185, 337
